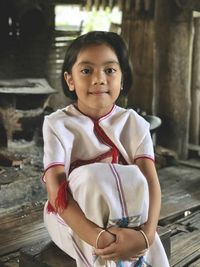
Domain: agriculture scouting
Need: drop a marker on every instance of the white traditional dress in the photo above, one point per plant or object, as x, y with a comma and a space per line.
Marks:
98, 156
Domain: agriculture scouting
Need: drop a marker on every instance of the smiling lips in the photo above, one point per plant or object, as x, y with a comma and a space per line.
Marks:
98, 92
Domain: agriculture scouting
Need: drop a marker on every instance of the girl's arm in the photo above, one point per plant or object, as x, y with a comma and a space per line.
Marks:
73, 215
148, 169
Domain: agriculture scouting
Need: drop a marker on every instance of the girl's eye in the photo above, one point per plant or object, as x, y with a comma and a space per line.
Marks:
110, 71
86, 71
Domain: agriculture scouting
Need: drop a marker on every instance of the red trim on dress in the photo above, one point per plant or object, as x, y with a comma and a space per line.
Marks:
101, 135
144, 157
81, 162
113, 151
105, 139
108, 114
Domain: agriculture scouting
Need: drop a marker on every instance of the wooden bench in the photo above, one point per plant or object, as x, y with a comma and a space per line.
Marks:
47, 254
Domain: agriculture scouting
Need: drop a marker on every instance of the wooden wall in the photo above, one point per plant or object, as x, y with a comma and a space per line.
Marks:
164, 53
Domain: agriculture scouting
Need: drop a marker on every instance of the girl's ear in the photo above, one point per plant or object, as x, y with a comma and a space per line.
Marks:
69, 80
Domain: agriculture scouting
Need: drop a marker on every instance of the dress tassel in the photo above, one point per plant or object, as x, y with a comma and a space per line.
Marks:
61, 200
50, 207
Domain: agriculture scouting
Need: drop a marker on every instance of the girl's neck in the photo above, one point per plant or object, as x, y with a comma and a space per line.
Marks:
95, 114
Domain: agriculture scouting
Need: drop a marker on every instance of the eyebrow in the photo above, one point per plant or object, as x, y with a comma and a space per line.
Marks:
104, 63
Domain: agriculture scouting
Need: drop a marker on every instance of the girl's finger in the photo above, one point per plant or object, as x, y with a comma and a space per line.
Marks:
141, 253
111, 257
105, 251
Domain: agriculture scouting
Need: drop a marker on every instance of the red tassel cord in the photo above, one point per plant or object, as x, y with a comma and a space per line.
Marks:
115, 155
61, 200
105, 139
50, 207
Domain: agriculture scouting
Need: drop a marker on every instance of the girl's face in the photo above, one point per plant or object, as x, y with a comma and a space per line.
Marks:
96, 78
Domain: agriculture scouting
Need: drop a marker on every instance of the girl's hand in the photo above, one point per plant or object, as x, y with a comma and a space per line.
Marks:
105, 239
129, 244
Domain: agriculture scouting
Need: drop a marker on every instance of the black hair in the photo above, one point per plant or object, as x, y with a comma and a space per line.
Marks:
111, 39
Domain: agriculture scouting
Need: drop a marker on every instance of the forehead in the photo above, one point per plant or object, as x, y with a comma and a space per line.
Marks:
97, 53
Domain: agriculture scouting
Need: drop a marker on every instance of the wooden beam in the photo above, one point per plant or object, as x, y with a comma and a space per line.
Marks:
173, 47
189, 4
67, 2
138, 31
89, 4
195, 87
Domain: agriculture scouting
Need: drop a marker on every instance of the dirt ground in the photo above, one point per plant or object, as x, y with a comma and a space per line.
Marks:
21, 185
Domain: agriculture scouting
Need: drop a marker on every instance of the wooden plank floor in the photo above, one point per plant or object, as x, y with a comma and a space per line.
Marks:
21, 228
185, 241
181, 191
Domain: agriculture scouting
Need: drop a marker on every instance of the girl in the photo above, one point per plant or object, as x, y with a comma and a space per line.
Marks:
103, 190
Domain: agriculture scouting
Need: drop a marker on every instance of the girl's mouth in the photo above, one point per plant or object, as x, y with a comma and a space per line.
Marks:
98, 92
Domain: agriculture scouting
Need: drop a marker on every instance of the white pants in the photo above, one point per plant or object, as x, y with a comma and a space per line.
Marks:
108, 194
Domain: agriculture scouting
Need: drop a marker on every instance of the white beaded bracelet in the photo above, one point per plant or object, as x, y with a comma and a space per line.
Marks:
97, 239
146, 239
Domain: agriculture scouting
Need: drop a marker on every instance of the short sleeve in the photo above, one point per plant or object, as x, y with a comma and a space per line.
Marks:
145, 149
53, 149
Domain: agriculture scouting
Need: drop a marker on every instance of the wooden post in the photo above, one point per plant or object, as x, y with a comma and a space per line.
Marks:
4, 17
173, 27
195, 87
48, 7
138, 31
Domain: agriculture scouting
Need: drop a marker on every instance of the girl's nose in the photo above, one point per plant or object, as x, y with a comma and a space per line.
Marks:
99, 77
